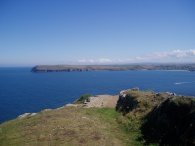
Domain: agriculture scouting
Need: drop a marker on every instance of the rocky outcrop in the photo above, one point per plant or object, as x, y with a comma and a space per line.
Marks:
102, 101
126, 102
167, 119
26, 115
171, 123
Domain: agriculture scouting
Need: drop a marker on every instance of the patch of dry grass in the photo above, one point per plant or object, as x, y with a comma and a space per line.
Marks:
67, 126
73, 126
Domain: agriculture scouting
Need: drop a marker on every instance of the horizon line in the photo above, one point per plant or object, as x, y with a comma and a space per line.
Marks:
138, 63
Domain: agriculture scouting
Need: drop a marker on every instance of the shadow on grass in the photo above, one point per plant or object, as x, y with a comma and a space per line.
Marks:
171, 123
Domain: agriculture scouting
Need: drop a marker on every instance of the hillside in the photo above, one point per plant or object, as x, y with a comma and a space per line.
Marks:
68, 126
69, 68
162, 118
134, 118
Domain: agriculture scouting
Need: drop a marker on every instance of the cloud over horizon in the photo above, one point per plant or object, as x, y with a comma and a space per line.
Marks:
171, 56
174, 54
99, 61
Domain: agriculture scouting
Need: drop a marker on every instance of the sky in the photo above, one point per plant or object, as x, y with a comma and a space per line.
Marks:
36, 32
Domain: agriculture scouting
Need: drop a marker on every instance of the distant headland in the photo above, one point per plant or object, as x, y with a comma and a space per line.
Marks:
70, 68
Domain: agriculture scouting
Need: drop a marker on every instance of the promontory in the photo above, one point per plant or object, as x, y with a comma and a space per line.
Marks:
69, 68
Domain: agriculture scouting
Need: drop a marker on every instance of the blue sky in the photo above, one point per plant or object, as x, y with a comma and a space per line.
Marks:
96, 31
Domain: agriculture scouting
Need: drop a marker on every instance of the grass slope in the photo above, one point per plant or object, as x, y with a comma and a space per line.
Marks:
144, 118
67, 126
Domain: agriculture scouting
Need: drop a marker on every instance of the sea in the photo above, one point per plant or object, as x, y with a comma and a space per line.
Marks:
23, 91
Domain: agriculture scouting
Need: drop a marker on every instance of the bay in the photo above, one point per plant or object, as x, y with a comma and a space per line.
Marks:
23, 91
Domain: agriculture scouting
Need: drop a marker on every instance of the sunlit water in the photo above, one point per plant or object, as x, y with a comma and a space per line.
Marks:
23, 91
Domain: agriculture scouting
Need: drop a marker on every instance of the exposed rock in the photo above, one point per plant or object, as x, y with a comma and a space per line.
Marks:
26, 115
167, 119
171, 123
60, 107
70, 105
33, 114
46, 110
102, 101
171, 94
23, 115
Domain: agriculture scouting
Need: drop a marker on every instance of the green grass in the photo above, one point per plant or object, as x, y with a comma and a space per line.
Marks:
68, 126
83, 98
73, 126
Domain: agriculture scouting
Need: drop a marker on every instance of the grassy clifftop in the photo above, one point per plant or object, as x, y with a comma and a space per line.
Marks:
139, 118
70, 126
161, 118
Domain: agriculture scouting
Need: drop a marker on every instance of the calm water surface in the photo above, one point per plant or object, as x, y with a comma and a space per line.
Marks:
23, 91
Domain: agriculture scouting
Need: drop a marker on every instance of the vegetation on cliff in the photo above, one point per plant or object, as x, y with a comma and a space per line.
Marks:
69, 68
161, 118
84, 98
171, 123
67, 126
139, 118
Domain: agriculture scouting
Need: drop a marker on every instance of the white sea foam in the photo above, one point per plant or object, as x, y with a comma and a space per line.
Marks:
180, 83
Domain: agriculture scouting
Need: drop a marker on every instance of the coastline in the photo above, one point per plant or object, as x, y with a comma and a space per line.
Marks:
80, 68
132, 115
98, 101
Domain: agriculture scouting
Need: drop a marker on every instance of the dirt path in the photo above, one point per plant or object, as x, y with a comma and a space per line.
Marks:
102, 101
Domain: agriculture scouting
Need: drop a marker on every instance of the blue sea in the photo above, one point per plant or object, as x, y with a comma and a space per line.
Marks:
23, 91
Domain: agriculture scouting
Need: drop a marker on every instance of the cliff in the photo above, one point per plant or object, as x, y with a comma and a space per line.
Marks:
69, 68
133, 118
163, 118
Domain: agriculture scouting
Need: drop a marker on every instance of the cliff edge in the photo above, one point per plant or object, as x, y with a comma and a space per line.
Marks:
133, 117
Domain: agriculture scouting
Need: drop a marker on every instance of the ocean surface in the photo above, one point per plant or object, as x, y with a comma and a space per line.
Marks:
22, 91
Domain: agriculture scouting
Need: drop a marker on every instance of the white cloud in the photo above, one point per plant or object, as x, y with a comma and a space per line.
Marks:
182, 53
172, 56
104, 60
96, 61
176, 54
82, 61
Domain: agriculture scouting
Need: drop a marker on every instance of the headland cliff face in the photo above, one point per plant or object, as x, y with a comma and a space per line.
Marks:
69, 68
166, 119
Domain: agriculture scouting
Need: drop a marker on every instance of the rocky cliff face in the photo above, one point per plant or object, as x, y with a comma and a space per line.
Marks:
69, 68
165, 118
171, 123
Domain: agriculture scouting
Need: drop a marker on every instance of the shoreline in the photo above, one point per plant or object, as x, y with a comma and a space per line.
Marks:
81, 68
144, 112
94, 103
